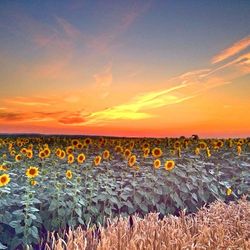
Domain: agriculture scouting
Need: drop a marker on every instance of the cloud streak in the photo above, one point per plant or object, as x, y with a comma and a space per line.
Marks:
232, 50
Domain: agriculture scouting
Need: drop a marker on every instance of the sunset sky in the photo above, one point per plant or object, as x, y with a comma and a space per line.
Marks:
125, 68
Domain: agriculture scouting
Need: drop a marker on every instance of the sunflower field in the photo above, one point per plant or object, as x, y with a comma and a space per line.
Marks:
50, 183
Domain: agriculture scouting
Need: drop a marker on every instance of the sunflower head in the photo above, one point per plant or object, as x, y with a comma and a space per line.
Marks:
74, 142
132, 160
105, 155
69, 174
97, 160
29, 154
32, 172
127, 153
42, 154
118, 149
202, 145
18, 157
157, 152
4, 180
157, 163
33, 182
169, 165
62, 154
3, 168
81, 158
47, 152
71, 158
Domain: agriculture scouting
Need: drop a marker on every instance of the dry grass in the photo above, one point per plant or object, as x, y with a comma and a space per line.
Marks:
220, 226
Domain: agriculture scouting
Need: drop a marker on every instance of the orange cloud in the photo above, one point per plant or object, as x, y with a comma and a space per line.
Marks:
232, 50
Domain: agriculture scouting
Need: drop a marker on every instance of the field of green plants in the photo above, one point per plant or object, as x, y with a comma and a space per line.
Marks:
53, 183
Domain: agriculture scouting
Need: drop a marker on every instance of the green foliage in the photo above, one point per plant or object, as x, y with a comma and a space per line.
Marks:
109, 190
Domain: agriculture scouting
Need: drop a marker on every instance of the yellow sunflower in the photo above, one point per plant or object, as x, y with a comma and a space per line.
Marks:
29, 154
32, 172
97, 160
33, 182
71, 158
132, 160
69, 174
157, 163
18, 157
118, 149
69, 150
87, 141
202, 145
75, 142
3, 168
127, 153
177, 144
81, 158
62, 154
47, 152
157, 152
169, 165
4, 180
58, 152
105, 155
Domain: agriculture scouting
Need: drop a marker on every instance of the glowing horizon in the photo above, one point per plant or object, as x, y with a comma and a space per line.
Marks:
122, 69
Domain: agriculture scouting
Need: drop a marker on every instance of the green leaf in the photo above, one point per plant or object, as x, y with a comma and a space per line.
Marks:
15, 224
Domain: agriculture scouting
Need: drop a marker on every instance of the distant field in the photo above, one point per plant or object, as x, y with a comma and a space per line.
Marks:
54, 182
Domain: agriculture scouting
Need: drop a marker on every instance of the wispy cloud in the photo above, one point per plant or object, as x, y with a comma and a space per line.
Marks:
30, 101
232, 50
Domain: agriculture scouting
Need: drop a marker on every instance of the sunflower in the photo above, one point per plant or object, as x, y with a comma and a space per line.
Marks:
157, 163
69, 150
41, 154
74, 142
177, 144
202, 145
145, 145
23, 151
62, 154
105, 155
71, 158
33, 182
81, 158
87, 141
229, 191
69, 174
4, 180
32, 172
127, 153
79, 146
219, 143
3, 168
118, 149
97, 160
132, 160
18, 157
169, 165
47, 152
146, 150
29, 154
58, 152
157, 152
12, 152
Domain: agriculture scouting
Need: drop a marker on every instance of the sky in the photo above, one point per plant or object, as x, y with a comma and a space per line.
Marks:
125, 68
